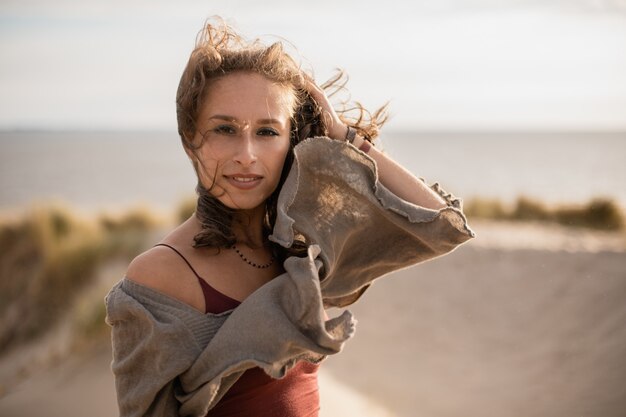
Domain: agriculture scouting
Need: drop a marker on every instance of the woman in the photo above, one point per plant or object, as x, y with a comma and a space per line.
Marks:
217, 319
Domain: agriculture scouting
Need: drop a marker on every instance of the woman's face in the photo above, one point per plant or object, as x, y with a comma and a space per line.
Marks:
244, 124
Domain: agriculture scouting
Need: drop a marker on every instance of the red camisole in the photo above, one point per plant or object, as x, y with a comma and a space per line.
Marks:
255, 393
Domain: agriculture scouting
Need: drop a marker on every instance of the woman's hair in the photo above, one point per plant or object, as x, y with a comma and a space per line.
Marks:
220, 51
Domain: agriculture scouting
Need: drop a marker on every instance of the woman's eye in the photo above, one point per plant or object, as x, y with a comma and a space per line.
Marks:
266, 131
225, 130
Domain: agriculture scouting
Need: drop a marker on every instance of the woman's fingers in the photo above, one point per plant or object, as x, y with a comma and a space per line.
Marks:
316, 92
336, 129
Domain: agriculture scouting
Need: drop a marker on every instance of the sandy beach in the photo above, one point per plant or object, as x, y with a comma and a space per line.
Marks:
501, 327
525, 320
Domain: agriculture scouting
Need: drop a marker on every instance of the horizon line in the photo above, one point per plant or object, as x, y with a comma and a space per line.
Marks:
395, 130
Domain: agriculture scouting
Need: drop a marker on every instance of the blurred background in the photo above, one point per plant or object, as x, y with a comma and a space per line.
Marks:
518, 106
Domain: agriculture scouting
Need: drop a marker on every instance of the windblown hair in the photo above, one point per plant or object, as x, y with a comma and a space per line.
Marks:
219, 51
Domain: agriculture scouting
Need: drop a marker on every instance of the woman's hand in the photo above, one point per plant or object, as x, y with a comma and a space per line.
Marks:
336, 128
397, 179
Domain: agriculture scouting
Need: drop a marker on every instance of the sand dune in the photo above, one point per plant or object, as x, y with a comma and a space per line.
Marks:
495, 329
523, 321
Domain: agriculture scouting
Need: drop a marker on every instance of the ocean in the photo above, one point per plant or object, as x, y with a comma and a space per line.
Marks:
107, 170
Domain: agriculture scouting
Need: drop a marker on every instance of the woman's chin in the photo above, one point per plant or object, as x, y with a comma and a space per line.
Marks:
244, 200
244, 204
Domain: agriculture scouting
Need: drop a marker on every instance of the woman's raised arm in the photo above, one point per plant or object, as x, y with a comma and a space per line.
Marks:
392, 175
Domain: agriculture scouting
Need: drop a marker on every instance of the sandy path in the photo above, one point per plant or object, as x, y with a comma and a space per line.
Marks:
494, 332
79, 387
83, 386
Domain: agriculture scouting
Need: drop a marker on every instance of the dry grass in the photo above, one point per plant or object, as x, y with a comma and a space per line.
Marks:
49, 254
599, 213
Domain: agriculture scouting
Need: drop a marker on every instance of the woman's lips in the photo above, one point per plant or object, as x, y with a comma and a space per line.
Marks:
244, 181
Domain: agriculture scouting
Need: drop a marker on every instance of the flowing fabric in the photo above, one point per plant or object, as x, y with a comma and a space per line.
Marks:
172, 360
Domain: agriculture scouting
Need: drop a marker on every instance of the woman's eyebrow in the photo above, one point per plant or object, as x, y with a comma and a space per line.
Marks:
269, 122
231, 119
222, 117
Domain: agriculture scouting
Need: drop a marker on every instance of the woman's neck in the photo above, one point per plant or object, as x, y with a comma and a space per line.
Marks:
248, 227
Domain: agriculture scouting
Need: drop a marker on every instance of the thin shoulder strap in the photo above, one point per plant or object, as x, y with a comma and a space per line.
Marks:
181, 255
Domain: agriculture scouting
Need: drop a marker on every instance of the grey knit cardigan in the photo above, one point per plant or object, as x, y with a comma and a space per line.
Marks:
170, 359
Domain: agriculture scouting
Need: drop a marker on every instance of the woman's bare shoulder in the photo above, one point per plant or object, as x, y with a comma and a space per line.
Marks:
154, 267
163, 270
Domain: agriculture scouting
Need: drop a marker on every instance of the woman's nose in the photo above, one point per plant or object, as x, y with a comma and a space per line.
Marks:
246, 151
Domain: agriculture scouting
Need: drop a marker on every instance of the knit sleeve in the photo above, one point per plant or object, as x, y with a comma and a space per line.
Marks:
333, 198
150, 349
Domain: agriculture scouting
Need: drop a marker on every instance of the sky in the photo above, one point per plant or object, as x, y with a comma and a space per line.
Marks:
442, 65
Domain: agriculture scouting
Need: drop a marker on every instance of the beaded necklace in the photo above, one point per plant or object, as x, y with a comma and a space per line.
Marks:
249, 262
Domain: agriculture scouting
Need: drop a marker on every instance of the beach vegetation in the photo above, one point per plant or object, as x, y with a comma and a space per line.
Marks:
598, 213
486, 208
48, 255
